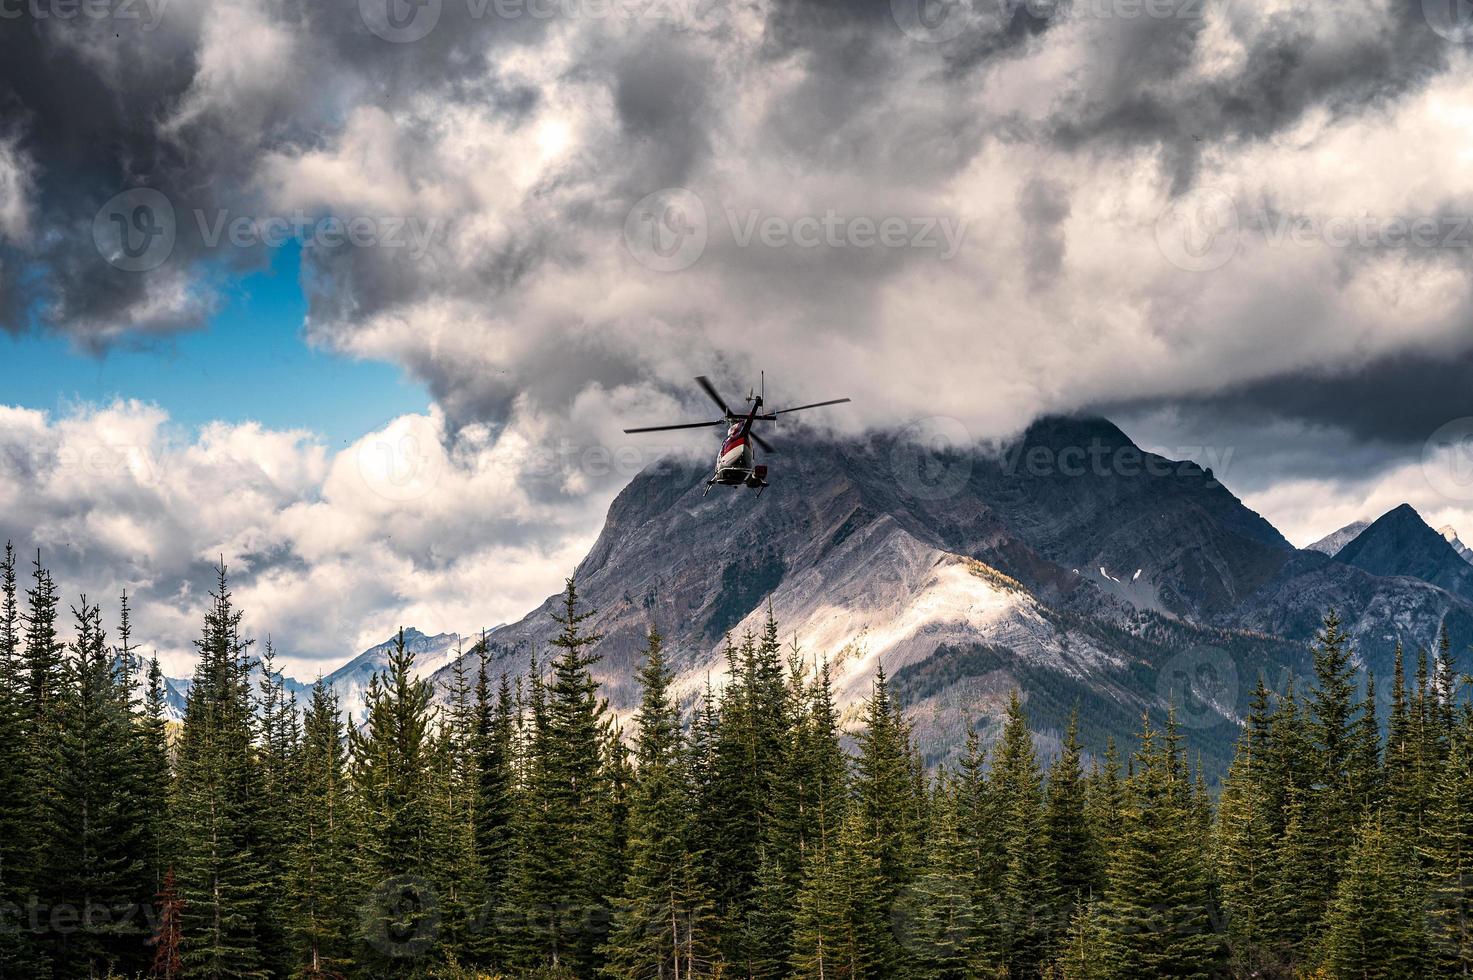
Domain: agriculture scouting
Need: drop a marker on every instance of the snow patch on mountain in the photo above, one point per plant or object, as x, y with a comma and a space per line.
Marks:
1450, 535
1331, 543
887, 597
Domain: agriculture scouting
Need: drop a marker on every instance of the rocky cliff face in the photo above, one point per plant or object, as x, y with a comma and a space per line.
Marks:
1069, 564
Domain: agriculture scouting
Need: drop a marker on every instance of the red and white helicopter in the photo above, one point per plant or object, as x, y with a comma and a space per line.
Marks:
736, 464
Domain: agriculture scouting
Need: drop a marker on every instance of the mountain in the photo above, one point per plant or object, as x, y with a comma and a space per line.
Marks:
350, 681
1401, 543
1068, 563
176, 690
1331, 543
1450, 535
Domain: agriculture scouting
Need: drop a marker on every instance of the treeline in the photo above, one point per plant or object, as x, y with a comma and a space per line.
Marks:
510, 828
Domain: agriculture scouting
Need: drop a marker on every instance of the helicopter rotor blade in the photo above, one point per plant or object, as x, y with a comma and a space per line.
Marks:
682, 425
799, 408
766, 446
710, 390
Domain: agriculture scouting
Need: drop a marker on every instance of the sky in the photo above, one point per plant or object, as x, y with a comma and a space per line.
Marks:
358, 295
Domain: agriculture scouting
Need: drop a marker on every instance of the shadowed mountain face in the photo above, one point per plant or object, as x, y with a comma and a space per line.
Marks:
1401, 543
1069, 563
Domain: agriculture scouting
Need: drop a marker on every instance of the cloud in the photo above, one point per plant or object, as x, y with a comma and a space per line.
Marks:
329, 552
1205, 214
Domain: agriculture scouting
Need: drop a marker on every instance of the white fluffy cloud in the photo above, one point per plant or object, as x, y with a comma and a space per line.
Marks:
328, 552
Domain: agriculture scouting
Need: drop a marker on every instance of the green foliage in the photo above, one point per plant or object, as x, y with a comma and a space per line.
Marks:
514, 829
219, 796
1374, 927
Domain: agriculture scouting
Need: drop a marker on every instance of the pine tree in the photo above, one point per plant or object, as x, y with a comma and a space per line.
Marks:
456, 871
1332, 815
278, 734
809, 799
320, 888
221, 875
92, 852
1244, 852
391, 772
1023, 905
939, 921
663, 923
1071, 851
1156, 918
169, 937
1447, 852
1374, 926
1083, 954
564, 834
838, 913
15, 851
495, 792
1104, 803
884, 801
155, 776
43, 683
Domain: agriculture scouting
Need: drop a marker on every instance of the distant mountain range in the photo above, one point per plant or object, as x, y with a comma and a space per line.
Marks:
350, 681
1069, 564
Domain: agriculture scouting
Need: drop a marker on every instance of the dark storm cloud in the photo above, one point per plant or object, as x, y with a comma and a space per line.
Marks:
102, 105
662, 94
1142, 94
1397, 402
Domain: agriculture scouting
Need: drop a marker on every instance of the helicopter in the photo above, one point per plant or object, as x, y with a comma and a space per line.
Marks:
736, 463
